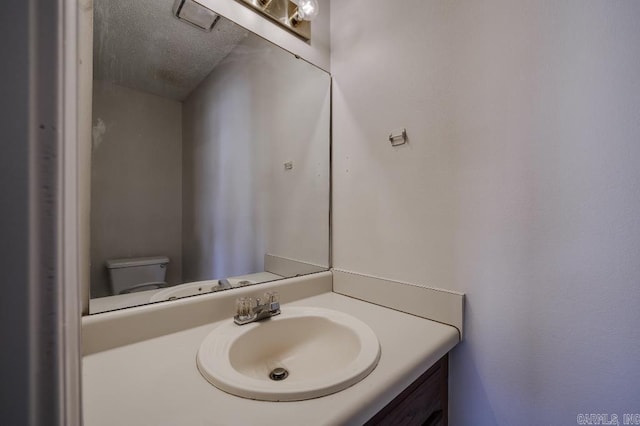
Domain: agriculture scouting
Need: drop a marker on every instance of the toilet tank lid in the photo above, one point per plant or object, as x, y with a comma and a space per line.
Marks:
136, 261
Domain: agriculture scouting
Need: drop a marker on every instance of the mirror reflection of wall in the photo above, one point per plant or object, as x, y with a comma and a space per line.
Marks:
210, 152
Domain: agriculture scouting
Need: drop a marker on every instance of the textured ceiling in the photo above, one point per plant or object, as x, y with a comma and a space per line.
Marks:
140, 44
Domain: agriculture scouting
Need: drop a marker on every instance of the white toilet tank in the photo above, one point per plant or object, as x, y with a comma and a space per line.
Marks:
137, 274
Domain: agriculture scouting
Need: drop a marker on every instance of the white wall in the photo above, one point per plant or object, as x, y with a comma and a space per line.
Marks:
258, 109
520, 187
315, 51
136, 185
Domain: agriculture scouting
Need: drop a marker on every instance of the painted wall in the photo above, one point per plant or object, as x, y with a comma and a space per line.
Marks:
136, 182
260, 108
520, 187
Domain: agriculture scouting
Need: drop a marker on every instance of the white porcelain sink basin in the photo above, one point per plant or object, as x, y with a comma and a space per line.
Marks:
191, 289
323, 351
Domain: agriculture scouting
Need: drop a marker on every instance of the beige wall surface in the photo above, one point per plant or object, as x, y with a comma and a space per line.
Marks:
261, 107
136, 176
519, 187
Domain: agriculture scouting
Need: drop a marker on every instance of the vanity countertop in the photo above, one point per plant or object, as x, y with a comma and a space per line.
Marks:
156, 381
120, 301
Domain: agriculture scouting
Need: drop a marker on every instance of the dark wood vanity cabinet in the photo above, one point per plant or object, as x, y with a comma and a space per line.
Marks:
424, 402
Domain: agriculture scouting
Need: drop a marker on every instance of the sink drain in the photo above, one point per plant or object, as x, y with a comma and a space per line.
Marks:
278, 374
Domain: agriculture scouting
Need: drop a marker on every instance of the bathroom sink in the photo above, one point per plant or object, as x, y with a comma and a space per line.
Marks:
191, 289
303, 353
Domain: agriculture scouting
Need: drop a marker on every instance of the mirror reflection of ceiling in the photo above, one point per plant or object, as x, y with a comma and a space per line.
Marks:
140, 44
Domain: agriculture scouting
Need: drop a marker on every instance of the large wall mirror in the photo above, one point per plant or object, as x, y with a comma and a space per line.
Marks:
210, 157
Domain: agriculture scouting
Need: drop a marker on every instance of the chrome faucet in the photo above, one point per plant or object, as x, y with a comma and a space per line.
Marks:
223, 284
249, 309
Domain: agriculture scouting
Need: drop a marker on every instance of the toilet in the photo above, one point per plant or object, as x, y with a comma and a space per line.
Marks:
137, 274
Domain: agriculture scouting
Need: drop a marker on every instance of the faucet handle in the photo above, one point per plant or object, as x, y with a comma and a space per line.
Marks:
245, 308
272, 298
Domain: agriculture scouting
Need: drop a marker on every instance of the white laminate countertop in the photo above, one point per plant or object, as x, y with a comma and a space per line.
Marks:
156, 381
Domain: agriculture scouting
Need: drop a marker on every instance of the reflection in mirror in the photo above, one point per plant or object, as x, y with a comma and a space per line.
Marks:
210, 158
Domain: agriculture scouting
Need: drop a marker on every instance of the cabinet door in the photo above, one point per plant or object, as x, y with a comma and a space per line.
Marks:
423, 403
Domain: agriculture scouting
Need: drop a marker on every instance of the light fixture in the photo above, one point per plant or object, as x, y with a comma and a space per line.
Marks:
306, 10
293, 15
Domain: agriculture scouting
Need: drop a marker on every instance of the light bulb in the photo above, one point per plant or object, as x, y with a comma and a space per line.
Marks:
307, 9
